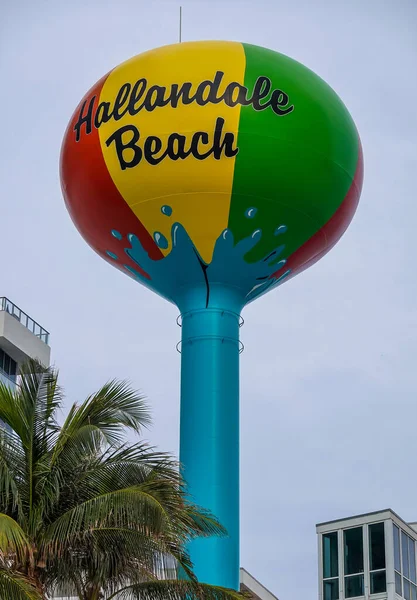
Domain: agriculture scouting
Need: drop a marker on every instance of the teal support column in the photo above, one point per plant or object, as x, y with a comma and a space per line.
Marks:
209, 435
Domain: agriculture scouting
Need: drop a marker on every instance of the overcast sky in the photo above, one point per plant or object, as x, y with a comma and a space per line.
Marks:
329, 374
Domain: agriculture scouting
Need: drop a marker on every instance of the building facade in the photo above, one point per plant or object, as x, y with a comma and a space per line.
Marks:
370, 556
21, 338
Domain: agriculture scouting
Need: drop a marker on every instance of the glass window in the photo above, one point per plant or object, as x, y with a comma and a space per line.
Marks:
398, 588
331, 589
13, 368
330, 555
397, 559
354, 586
407, 591
6, 366
376, 546
413, 592
353, 549
404, 548
378, 582
412, 558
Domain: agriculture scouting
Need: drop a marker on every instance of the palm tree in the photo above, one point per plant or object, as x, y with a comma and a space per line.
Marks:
83, 511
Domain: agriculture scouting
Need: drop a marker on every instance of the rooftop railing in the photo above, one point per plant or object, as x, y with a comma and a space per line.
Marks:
24, 319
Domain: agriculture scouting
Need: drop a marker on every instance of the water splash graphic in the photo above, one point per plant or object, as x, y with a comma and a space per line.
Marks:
160, 240
229, 265
251, 212
183, 269
280, 229
178, 269
166, 210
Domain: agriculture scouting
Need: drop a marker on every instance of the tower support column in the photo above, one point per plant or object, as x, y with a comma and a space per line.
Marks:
209, 435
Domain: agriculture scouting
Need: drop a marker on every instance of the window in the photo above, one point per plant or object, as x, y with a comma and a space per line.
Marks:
331, 589
353, 558
376, 546
353, 551
354, 586
397, 556
398, 588
330, 566
407, 590
378, 582
330, 555
405, 564
377, 558
7, 365
412, 559
404, 553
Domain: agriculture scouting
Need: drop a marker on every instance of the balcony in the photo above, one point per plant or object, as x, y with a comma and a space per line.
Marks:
34, 327
21, 337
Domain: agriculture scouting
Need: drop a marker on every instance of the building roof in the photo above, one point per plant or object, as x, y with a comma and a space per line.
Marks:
252, 586
370, 514
366, 518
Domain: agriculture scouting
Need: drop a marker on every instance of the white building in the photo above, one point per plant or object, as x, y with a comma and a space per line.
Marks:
370, 556
251, 586
21, 338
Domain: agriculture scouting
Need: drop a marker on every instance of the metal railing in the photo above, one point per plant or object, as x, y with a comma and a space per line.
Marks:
24, 319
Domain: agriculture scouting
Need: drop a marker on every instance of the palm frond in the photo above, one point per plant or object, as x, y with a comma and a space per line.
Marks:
13, 540
125, 466
175, 590
12, 469
11, 411
112, 409
14, 586
132, 508
113, 555
40, 398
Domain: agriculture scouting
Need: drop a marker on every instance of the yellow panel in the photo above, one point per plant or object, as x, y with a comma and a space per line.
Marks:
198, 191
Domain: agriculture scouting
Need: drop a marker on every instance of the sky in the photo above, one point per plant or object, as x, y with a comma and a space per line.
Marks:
328, 375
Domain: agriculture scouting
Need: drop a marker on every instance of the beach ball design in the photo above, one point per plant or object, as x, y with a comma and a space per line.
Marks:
204, 166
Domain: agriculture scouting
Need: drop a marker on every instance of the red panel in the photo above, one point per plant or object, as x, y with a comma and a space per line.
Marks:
92, 199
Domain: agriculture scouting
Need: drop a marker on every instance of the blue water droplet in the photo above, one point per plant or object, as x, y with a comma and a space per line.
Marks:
160, 240
166, 210
280, 229
116, 234
111, 254
251, 212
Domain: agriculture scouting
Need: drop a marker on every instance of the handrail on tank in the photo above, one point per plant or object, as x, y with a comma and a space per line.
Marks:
16, 312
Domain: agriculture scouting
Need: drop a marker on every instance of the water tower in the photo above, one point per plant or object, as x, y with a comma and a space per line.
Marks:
211, 172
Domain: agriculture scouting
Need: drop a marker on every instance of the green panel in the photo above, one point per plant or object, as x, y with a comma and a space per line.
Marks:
295, 169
